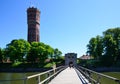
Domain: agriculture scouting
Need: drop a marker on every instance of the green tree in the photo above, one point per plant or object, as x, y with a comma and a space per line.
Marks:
17, 50
109, 50
95, 47
115, 34
39, 52
57, 53
1, 55
107, 47
92, 47
99, 47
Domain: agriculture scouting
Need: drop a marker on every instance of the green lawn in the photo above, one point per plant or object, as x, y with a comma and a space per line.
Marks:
104, 80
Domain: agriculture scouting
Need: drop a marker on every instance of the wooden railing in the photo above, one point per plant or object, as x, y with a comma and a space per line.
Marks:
98, 76
50, 74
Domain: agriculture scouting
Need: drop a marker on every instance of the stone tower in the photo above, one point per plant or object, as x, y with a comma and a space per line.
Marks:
33, 21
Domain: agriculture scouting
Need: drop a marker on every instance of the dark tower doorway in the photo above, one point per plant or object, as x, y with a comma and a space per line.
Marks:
71, 64
33, 21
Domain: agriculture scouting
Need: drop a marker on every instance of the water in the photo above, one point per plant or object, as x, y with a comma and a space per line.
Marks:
11, 76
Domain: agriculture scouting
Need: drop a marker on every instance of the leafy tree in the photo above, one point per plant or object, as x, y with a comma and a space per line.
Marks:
57, 53
95, 47
115, 34
39, 52
92, 47
17, 50
99, 47
1, 55
109, 50
107, 47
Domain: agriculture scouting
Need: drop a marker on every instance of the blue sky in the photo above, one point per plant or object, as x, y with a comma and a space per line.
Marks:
64, 24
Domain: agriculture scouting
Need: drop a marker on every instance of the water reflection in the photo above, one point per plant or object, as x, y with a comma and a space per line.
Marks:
11, 76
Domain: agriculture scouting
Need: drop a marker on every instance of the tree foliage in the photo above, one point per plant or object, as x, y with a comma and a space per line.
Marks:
106, 48
1, 55
35, 52
109, 50
57, 53
17, 50
39, 52
95, 47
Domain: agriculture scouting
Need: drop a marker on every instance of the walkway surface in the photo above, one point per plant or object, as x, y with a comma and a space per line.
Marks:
68, 76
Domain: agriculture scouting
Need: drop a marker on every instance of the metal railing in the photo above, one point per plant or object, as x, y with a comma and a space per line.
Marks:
50, 74
97, 79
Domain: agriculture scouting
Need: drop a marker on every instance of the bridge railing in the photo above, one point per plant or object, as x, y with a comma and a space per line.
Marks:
48, 75
97, 76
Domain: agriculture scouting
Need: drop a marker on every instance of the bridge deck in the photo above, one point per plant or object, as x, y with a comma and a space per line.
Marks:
69, 76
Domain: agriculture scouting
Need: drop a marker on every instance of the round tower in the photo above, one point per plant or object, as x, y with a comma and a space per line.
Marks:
33, 21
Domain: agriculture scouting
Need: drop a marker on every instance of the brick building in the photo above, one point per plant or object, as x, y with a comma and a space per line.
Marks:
33, 21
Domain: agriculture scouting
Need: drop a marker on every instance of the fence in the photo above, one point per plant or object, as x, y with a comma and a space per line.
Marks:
49, 75
95, 77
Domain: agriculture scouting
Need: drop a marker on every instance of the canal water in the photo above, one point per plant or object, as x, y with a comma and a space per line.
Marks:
12, 76
5, 77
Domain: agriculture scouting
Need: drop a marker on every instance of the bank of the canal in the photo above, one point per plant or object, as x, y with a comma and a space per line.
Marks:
104, 80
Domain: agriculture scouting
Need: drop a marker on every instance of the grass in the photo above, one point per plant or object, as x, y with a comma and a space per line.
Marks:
48, 65
16, 64
113, 74
104, 80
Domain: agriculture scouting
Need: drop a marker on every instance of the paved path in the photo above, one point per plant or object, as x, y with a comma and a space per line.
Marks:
67, 76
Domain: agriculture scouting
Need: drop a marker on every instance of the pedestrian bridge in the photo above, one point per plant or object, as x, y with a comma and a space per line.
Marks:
67, 75
74, 75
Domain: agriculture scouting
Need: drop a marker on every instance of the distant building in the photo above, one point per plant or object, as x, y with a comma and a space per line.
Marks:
33, 21
85, 57
71, 58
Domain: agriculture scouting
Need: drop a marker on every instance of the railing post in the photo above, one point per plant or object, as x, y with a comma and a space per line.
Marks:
118, 81
25, 80
90, 76
48, 76
38, 79
98, 79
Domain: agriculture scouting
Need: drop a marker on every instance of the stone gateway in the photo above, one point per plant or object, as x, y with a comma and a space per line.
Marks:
70, 59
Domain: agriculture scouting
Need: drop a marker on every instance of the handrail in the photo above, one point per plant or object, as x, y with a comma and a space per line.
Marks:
25, 79
84, 70
87, 75
84, 81
42, 73
38, 75
51, 76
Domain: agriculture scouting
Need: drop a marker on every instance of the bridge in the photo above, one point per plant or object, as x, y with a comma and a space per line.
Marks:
67, 75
